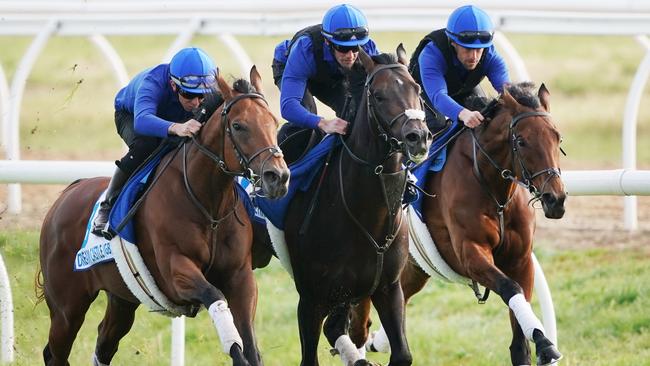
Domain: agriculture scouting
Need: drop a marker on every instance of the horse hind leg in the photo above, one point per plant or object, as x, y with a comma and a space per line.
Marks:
117, 322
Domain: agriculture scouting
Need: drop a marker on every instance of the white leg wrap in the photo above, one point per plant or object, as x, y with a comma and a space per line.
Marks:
223, 321
525, 316
96, 361
362, 352
380, 341
347, 350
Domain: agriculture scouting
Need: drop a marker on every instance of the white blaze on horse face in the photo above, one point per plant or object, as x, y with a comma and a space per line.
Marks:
417, 114
525, 316
223, 321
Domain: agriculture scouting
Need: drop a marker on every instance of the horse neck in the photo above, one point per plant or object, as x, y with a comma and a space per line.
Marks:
495, 141
207, 180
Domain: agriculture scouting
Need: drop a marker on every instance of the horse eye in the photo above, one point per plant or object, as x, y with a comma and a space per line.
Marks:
237, 126
520, 141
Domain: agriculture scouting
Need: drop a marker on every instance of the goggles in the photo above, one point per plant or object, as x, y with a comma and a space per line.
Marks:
195, 81
344, 49
471, 36
346, 34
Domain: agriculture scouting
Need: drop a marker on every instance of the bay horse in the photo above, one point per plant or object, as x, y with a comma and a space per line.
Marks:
192, 231
355, 244
480, 217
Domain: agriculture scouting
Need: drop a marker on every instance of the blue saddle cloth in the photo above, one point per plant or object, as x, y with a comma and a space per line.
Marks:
131, 191
434, 162
302, 175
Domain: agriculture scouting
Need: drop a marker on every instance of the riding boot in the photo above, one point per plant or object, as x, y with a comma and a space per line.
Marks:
114, 188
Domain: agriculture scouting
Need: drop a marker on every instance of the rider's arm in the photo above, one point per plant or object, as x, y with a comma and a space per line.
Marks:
300, 67
432, 72
496, 69
147, 100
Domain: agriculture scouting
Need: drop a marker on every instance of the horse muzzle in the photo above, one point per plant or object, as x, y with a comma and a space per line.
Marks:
553, 204
275, 182
417, 142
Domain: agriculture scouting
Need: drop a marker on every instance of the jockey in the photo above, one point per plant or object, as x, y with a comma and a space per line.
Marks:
157, 103
450, 63
317, 62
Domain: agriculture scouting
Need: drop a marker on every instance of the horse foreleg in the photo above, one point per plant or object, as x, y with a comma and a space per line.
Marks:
479, 264
546, 351
336, 332
360, 323
117, 322
389, 302
243, 302
310, 320
190, 285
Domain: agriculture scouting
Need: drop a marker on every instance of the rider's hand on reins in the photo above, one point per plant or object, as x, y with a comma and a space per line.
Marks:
471, 119
186, 129
334, 125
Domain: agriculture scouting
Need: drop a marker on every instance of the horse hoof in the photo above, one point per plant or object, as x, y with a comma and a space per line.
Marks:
548, 355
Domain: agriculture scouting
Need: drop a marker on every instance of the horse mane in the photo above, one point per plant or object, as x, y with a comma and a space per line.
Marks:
214, 99
524, 93
243, 86
385, 58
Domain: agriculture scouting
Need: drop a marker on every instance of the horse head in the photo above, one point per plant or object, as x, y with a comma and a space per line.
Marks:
248, 135
535, 144
393, 102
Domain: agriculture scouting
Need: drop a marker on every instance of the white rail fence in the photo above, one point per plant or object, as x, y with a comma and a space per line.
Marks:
226, 19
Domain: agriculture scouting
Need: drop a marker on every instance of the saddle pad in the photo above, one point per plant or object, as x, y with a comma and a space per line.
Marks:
303, 173
131, 192
424, 251
94, 249
280, 245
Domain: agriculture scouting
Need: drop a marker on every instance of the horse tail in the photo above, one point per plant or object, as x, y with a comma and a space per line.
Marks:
39, 286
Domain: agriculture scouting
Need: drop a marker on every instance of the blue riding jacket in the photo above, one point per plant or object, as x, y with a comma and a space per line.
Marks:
433, 68
153, 103
300, 67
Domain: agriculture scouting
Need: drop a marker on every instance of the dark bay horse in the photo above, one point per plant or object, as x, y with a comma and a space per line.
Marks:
356, 244
192, 231
481, 219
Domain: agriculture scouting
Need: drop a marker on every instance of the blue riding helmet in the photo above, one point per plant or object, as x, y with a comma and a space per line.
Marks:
470, 27
193, 70
345, 25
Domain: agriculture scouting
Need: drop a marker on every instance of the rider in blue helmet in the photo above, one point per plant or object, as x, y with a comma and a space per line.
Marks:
450, 63
157, 103
321, 61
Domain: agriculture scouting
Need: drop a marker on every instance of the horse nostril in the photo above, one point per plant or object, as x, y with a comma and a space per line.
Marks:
270, 177
413, 138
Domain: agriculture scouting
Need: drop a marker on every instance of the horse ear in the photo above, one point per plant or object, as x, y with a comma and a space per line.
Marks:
366, 60
224, 88
508, 100
256, 79
544, 97
401, 55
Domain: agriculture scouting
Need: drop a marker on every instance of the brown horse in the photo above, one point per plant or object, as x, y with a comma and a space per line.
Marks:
193, 233
354, 245
480, 218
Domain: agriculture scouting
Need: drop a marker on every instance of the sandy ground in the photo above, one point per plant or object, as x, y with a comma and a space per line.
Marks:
589, 220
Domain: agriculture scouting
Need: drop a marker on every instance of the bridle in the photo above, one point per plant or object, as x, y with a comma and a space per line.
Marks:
245, 162
395, 146
526, 179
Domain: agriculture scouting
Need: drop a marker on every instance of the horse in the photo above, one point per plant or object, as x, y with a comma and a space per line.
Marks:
192, 230
344, 234
480, 217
